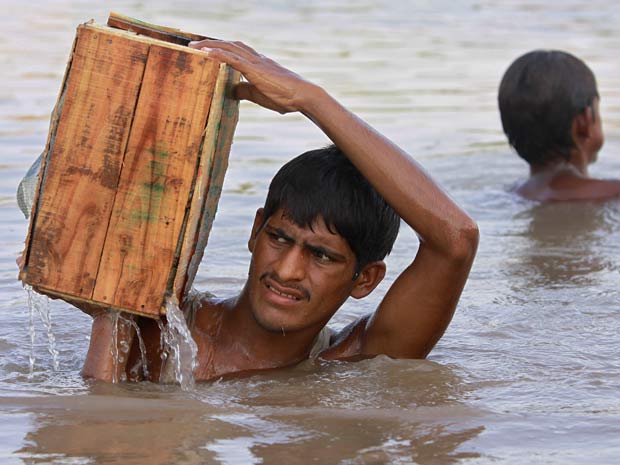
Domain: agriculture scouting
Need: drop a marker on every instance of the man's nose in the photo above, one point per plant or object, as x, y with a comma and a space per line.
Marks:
291, 265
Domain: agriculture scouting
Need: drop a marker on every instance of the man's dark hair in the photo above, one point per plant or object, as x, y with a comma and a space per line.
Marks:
539, 96
324, 183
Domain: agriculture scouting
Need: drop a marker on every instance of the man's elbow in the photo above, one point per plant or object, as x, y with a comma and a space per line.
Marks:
464, 243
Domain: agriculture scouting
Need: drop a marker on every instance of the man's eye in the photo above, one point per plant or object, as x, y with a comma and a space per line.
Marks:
277, 238
322, 256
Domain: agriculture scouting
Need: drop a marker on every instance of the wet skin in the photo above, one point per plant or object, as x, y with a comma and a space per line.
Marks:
298, 276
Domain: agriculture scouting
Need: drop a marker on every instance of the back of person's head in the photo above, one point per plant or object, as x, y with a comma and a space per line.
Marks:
324, 183
539, 96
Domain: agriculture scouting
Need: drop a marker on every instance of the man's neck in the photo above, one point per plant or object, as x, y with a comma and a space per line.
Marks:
575, 167
260, 347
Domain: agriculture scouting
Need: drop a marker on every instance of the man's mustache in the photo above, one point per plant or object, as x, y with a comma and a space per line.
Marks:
288, 285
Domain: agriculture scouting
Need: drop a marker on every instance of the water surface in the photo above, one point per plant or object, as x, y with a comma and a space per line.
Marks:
528, 372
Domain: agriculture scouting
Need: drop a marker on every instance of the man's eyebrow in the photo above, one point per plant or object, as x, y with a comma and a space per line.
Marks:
312, 247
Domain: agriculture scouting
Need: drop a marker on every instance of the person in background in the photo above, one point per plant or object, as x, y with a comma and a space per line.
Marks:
549, 106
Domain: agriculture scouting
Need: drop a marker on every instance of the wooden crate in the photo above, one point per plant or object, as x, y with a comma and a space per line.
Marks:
132, 173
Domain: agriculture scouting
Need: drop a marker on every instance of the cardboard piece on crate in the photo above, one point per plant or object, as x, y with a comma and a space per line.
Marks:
132, 173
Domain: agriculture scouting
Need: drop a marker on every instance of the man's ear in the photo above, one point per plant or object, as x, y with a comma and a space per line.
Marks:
583, 125
256, 227
369, 277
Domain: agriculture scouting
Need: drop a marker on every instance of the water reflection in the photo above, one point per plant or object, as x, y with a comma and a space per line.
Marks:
375, 411
565, 244
340, 437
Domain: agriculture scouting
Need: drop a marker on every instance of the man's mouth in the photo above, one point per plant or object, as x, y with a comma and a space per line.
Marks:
290, 291
283, 294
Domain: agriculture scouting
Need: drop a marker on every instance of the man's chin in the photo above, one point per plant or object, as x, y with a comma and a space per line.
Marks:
272, 325
284, 326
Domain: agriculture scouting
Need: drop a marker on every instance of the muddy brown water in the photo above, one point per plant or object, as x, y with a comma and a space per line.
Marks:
528, 372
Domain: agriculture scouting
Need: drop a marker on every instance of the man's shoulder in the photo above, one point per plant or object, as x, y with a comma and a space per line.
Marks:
203, 310
346, 343
569, 188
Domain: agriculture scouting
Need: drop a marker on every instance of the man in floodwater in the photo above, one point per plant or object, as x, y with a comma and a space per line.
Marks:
330, 218
549, 105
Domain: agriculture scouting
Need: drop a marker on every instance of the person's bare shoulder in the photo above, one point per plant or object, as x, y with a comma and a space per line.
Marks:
348, 342
568, 187
579, 188
205, 312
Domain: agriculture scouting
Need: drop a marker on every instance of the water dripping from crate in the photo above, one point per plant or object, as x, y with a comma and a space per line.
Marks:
40, 304
180, 349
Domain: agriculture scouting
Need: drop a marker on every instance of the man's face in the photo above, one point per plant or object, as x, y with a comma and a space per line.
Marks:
298, 276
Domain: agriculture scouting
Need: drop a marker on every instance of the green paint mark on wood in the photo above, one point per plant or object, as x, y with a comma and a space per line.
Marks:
155, 187
158, 153
142, 216
152, 188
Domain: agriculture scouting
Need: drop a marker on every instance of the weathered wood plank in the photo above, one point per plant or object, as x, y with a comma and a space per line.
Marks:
167, 34
83, 163
210, 177
156, 181
48, 146
226, 128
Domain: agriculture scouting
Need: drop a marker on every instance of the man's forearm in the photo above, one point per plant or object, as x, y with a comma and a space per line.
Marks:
404, 184
110, 342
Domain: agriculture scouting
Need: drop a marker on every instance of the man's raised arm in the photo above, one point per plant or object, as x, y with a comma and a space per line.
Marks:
419, 306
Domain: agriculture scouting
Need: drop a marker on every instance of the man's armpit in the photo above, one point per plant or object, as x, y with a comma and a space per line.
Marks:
347, 344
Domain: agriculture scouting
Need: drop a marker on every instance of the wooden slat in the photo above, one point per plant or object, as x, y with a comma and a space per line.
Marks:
78, 185
228, 122
159, 167
23, 275
208, 185
164, 33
